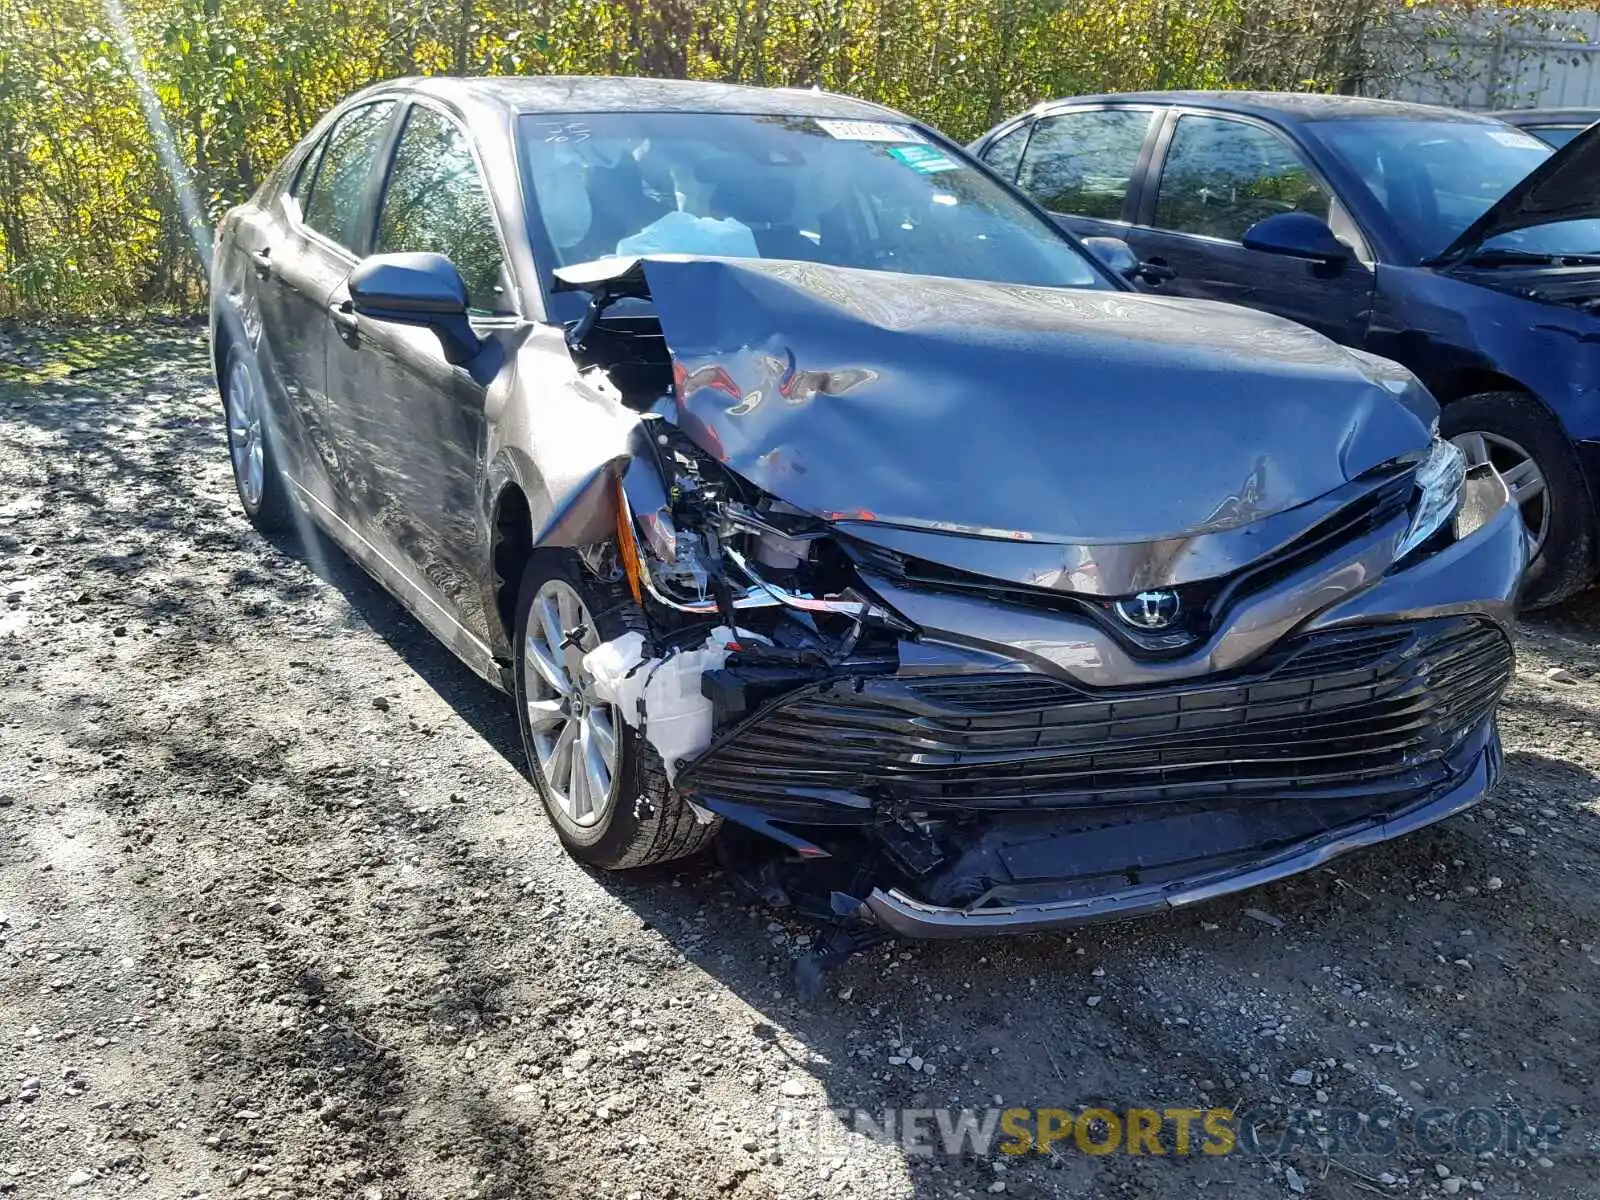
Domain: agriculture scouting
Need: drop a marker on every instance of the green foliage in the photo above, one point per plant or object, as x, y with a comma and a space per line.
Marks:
89, 216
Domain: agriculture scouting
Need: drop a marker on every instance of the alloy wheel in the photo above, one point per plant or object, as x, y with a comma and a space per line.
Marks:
574, 735
1529, 490
245, 443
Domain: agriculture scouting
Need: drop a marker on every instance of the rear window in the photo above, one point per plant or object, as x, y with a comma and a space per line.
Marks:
337, 204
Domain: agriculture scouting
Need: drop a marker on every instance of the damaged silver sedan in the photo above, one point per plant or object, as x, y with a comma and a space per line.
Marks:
815, 495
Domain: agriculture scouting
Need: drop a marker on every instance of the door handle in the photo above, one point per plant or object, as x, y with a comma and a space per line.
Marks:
343, 314
263, 260
1156, 271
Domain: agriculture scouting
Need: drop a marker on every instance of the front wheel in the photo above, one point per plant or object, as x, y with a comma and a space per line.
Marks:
603, 785
1517, 436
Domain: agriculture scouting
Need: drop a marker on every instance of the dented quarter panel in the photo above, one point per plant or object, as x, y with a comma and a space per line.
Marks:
1452, 328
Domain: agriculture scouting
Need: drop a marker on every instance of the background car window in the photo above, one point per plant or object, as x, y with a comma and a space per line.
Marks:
1434, 178
1005, 153
334, 207
1222, 176
1083, 162
1555, 135
436, 202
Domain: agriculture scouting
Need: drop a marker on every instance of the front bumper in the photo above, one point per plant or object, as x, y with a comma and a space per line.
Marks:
902, 914
1020, 771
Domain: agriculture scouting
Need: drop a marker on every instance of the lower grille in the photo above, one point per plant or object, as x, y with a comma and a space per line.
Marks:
1342, 712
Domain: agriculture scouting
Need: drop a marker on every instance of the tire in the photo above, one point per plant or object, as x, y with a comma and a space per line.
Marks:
643, 820
252, 445
1565, 561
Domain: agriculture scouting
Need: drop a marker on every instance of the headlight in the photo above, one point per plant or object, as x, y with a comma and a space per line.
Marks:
1439, 481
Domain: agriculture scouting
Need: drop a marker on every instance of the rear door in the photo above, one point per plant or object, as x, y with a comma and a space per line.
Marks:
415, 424
289, 346
1215, 177
325, 211
1083, 164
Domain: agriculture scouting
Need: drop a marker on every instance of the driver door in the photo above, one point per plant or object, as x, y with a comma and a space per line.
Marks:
415, 423
1218, 177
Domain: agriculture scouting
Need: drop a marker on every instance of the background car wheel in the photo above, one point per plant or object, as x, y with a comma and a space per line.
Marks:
262, 492
1532, 453
603, 785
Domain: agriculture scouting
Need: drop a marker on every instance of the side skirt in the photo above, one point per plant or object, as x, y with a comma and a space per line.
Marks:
434, 616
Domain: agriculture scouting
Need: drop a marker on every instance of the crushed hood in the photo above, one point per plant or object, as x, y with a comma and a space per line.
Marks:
1020, 414
1565, 187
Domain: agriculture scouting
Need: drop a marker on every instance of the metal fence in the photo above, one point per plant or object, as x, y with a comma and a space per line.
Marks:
1548, 60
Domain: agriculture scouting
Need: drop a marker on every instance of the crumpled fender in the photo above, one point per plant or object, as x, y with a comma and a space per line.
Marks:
588, 514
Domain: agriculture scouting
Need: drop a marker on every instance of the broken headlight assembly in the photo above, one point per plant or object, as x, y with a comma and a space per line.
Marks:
1438, 481
707, 544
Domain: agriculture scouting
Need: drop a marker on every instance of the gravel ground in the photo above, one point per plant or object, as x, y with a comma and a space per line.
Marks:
279, 915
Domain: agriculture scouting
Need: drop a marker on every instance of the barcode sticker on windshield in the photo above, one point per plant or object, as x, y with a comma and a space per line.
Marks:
870, 131
1516, 139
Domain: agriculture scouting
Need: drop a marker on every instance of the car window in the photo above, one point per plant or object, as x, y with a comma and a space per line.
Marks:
1222, 176
1083, 162
869, 194
1005, 153
1433, 178
334, 206
1555, 135
300, 189
436, 202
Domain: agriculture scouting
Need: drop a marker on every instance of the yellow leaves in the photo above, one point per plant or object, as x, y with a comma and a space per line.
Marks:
240, 81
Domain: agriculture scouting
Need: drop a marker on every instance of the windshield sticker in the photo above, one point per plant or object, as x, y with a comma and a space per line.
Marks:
869, 131
1515, 139
559, 133
924, 159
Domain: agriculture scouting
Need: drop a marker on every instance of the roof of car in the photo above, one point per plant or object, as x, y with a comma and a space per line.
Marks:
1551, 116
1285, 106
602, 93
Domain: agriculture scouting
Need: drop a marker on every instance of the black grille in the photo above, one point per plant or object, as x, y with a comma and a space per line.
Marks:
1340, 712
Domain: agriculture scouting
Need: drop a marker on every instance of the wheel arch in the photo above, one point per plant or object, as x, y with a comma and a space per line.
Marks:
1461, 382
510, 547
227, 332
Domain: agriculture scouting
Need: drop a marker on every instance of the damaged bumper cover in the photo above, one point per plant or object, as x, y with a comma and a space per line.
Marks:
982, 795
909, 917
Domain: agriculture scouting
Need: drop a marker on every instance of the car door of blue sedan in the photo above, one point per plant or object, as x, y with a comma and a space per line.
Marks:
1213, 178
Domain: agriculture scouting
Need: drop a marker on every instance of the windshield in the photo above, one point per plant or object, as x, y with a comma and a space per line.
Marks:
871, 194
1435, 178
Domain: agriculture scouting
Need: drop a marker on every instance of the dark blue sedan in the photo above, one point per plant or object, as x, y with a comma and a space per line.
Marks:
1465, 249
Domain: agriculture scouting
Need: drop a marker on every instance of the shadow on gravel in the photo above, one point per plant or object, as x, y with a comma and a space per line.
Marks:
1576, 787
1578, 620
487, 711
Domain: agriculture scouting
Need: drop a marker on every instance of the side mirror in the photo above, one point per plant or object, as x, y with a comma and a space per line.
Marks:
1297, 235
417, 289
1116, 255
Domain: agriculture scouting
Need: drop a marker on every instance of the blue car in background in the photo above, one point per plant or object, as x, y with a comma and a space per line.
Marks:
1554, 126
1464, 248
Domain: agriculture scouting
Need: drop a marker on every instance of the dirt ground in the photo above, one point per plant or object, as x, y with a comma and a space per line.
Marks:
279, 916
